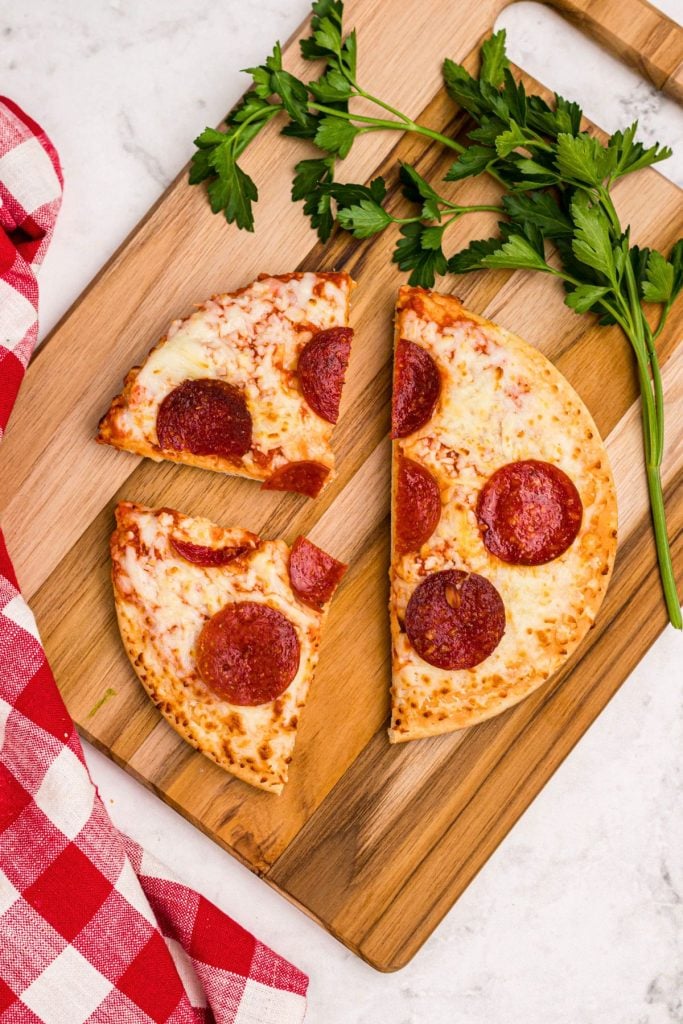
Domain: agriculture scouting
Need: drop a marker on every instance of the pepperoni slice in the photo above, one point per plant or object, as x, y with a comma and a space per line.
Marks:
303, 477
313, 573
322, 368
418, 505
417, 386
248, 653
198, 554
205, 417
455, 619
529, 512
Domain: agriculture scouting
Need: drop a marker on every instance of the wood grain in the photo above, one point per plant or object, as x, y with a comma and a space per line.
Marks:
374, 841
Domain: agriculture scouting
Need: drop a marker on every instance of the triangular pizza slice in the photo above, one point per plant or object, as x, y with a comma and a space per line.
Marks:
223, 631
249, 384
504, 518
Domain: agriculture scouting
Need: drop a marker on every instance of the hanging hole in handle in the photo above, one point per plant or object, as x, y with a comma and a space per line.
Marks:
563, 58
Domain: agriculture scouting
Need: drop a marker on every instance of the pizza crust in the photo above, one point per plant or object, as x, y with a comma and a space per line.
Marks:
162, 602
501, 401
251, 338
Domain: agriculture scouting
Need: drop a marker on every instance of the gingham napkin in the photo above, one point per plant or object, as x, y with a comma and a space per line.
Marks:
91, 928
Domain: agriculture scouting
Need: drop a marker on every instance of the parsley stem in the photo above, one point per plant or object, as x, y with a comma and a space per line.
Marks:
608, 206
429, 133
477, 209
260, 114
380, 103
654, 484
347, 116
658, 385
652, 402
662, 321
403, 125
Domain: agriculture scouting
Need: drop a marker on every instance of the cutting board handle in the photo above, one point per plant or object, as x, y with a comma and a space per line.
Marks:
635, 31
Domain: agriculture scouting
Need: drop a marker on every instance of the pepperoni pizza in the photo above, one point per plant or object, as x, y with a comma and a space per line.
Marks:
504, 518
248, 384
223, 631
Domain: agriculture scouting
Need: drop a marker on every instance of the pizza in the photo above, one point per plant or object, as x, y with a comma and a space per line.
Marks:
504, 518
250, 384
223, 630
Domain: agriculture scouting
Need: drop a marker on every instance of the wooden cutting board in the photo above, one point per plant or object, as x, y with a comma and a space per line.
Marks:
375, 842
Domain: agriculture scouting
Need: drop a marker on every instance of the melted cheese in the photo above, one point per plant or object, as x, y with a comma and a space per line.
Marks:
251, 339
501, 401
163, 602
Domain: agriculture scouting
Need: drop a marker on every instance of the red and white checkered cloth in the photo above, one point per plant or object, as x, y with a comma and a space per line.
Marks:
91, 928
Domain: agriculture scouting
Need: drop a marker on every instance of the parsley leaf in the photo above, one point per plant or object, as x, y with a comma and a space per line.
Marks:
494, 59
565, 118
359, 207
417, 190
515, 254
364, 218
592, 243
325, 38
583, 158
346, 194
326, 42
510, 140
676, 260
232, 191
271, 79
514, 97
658, 282
488, 131
540, 209
462, 88
473, 161
335, 135
585, 297
311, 179
424, 263
309, 175
630, 155
471, 258
200, 166
532, 174
332, 87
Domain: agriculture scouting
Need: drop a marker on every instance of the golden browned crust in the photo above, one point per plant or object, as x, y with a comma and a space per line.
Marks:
427, 701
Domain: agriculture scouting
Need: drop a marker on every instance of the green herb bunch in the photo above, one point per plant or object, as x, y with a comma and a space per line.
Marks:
555, 181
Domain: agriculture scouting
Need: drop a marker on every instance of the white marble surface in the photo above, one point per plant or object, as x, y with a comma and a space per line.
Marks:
578, 917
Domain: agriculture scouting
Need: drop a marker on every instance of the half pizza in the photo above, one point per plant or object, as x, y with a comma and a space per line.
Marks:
249, 384
223, 630
504, 518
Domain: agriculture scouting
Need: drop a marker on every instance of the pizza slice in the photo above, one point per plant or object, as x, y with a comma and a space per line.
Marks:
504, 518
249, 384
223, 631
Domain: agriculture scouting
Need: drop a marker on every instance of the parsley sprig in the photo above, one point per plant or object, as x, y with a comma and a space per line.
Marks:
557, 214
317, 111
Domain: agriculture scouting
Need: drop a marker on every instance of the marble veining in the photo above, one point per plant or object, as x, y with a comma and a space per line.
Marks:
578, 916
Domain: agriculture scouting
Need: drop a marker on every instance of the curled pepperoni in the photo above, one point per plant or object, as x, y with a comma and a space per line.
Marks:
322, 367
248, 653
205, 417
529, 512
199, 554
303, 477
418, 505
455, 619
313, 573
417, 386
